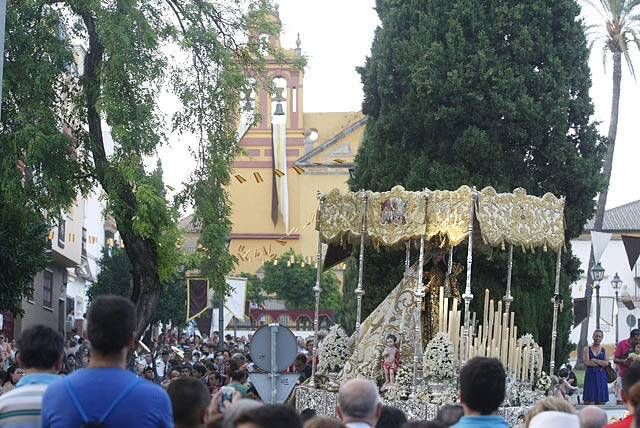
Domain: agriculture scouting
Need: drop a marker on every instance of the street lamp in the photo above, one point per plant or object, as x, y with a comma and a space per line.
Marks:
616, 283
597, 273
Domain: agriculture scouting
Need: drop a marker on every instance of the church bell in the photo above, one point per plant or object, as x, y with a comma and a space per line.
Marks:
279, 111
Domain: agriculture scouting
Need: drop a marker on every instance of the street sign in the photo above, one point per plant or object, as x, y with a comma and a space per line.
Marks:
284, 385
285, 352
631, 321
273, 348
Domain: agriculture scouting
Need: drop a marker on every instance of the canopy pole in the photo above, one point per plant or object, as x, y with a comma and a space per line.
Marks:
556, 306
467, 296
419, 295
359, 290
317, 290
508, 298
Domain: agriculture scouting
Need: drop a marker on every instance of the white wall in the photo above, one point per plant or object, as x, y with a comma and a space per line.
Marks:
613, 260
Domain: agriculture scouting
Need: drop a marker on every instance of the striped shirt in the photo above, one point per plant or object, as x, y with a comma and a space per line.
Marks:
22, 407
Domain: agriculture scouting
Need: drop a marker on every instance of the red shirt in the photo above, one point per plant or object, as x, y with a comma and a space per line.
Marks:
622, 352
625, 423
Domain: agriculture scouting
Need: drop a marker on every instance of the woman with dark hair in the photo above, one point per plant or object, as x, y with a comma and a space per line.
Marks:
13, 376
214, 382
596, 389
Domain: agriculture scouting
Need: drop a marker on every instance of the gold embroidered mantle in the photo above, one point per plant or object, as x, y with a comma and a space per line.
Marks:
522, 220
395, 216
449, 215
341, 217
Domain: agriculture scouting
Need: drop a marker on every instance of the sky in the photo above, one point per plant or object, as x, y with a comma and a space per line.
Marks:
336, 37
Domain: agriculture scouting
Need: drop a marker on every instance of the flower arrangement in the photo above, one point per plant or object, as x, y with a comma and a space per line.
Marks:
521, 395
334, 350
439, 361
423, 394
448, 395
404, 377
544, 383
396, 393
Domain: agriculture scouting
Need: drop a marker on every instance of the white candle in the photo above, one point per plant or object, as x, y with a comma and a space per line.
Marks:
490, 328
441, 310
485, 315
445, 315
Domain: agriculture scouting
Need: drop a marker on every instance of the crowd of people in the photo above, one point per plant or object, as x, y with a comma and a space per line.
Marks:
189, 384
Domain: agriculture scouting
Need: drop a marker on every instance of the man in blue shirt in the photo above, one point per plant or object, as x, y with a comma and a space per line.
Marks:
482, 390
106, 393
40, 356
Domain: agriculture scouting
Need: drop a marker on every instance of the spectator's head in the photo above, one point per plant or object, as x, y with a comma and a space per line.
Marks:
174, 374
391, 417
553, 406
307, 414
634, 337
189, 399
111, 326
310, 345
239, 376
482, 386
630, 378
358, 401
237, 408
268, 417
597, 336
300, 363
592, 417
148, 373
71, 361
554, 419
322, 422
199, 370
41, 349
450, 415
186, 370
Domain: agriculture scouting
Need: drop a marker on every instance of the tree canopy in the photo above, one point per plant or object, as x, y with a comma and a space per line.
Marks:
293, 283
115, 278
483, 93
76, 70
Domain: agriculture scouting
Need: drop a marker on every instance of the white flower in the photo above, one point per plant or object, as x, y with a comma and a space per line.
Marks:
439, 361
334, 350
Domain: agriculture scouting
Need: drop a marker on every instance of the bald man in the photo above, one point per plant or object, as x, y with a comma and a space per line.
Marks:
359, 404
592, 417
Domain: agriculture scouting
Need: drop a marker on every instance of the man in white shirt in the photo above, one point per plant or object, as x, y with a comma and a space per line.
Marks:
359, 404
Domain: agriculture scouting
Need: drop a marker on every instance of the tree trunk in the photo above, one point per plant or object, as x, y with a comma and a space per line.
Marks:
145, 291
602, 197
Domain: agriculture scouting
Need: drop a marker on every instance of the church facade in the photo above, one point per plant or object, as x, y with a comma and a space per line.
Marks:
287, 157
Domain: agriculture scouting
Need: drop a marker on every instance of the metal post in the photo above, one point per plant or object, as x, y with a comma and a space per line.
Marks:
556, 305
419, 295
467, 296
221, 323
508, 298
447, 277
274, 366
317, 290
359, 290
617, 315
3, 14
597, 287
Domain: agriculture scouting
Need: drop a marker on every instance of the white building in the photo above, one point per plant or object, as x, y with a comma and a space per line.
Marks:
621, 220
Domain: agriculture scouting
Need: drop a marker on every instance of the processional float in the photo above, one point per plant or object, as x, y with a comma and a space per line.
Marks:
439, 221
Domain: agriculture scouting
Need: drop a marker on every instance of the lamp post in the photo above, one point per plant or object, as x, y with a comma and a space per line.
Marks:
616, 283
597, 273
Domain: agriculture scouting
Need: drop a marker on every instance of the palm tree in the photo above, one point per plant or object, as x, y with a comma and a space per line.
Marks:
617, 32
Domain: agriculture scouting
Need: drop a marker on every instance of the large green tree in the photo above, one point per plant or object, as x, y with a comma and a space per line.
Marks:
483, 93
294, 282
115, 278
127, 52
